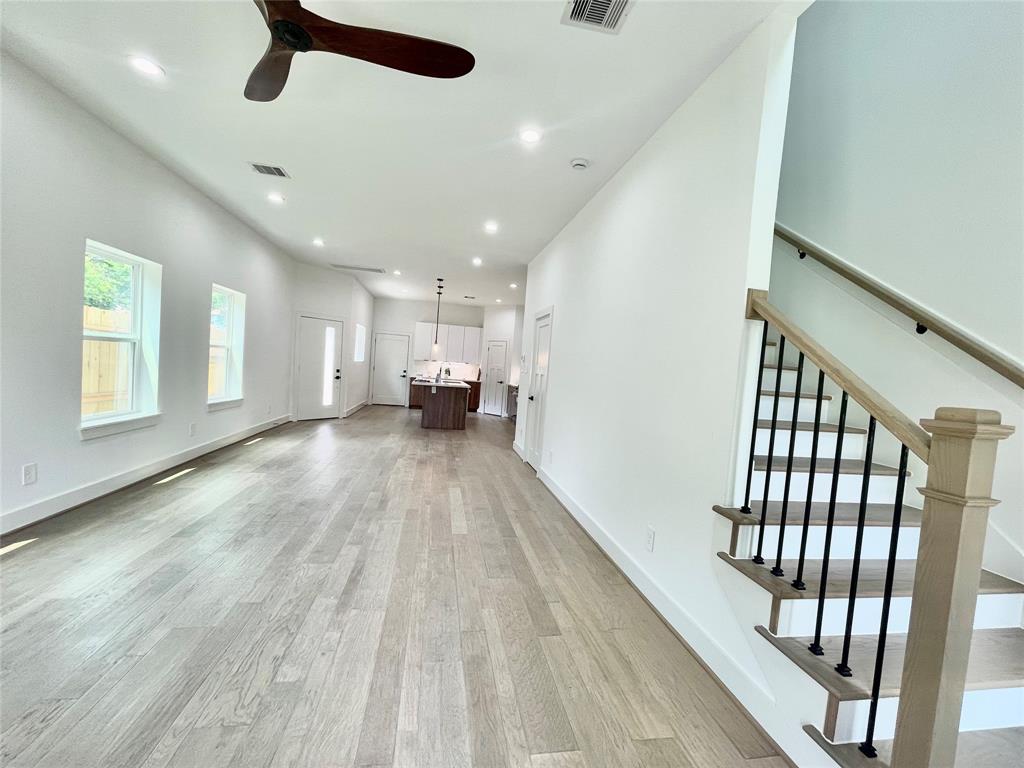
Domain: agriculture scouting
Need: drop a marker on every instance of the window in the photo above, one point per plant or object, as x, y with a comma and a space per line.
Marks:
227, 345
120, 335
359, 355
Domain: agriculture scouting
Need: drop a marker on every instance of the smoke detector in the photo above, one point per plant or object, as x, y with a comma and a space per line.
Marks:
579, 163
598, 15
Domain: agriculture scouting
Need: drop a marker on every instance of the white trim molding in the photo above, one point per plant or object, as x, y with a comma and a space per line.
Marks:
129, 423
223, 405
354, 408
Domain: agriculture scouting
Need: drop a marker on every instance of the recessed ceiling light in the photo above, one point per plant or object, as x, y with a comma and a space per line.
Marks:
490, 227
276, 198
147, 67
529, 135
405, 290
317, 241
498, 300
477, 261
512, 285
397, 273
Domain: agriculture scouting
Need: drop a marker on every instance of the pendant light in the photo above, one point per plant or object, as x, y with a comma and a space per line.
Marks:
435, 351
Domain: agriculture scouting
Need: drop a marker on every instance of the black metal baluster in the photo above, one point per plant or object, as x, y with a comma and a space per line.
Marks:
866, 746
777, 570
745, 509
771, 450
798, 582
815, 647
843, 667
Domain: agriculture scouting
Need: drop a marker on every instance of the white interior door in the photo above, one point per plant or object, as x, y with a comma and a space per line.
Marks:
390, 368
537, 395
495, 377
318, 368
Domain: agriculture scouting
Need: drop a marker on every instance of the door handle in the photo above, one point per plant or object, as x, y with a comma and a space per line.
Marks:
401, 375
337, 378
530, 397
501, 382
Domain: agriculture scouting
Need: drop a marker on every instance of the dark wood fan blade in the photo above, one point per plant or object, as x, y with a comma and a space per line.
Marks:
270, 74
416, 55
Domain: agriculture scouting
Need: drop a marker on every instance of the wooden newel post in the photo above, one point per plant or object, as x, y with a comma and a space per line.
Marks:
957, 495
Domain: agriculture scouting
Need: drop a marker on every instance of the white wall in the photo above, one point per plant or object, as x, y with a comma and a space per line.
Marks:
339, 296
903, 156
68, 177
655, 268
903, 152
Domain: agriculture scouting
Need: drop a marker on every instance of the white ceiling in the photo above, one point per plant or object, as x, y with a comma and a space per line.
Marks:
391, 170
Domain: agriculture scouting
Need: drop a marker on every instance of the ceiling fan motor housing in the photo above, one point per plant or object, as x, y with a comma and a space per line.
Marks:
292, 35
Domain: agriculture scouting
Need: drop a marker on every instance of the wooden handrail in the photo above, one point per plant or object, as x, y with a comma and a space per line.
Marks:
974, 347
888, 415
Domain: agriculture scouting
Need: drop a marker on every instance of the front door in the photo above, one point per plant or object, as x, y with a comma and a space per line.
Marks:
494, 392
318, 368
390, 368
537, 395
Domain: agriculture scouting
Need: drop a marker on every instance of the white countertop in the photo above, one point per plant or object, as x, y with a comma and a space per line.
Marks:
449, 383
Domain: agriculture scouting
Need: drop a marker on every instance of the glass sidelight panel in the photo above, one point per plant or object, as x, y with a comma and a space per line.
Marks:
328, 392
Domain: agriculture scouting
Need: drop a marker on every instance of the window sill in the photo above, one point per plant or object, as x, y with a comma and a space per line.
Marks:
93, 429
221, 405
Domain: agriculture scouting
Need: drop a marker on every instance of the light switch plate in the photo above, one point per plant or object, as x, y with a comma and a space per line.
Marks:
29, 473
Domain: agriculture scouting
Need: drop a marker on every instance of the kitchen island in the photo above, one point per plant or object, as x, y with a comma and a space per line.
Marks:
444, 403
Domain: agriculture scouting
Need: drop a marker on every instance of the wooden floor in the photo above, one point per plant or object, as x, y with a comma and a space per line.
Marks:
357, 593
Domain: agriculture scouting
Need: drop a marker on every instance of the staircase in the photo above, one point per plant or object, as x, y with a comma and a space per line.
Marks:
851, 595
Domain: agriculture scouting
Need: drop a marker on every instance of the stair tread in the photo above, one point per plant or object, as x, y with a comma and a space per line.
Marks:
783, 425
996, 748
826, 464
845, 515
996, 661
806, 395
785, 367
870, 583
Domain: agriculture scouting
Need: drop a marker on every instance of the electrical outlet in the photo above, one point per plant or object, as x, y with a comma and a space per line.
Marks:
29, 473
650, 538
192, 429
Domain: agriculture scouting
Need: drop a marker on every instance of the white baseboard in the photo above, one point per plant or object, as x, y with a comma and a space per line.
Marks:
729, 670
521, 453
32, 513
354, 408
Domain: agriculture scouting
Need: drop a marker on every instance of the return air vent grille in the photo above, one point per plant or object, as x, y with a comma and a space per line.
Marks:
354, 268
270, 170
599, 15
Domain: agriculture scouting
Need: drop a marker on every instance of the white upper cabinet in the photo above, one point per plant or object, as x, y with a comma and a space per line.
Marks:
471, 346
456, 343
456, 335
422, 341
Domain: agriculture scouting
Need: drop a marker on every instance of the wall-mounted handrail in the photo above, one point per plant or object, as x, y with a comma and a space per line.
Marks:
901, 426
925, 320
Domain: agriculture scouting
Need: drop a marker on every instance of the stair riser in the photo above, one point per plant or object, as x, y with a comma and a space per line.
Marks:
984, 709
853, 445
809, 383
797, 617
882, 488
875, 545
764, 409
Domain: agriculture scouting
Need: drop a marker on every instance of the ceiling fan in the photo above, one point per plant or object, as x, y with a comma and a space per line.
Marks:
293, 30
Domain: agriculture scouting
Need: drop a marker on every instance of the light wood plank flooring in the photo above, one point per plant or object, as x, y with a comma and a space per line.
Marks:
334, 594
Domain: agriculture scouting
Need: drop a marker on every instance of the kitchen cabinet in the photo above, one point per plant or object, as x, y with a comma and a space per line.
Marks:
471, 345
456, 343
456, 336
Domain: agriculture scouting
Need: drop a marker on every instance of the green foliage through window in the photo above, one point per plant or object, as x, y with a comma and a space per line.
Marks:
108, 284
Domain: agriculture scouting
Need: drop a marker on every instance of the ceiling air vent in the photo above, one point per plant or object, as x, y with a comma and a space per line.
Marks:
599, 15
270, 170
354, 268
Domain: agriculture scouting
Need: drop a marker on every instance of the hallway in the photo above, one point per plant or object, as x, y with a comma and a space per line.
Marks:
346, 593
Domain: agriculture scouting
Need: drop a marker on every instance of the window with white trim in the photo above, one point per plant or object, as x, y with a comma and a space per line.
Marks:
359, 355
227, 345
120, 335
